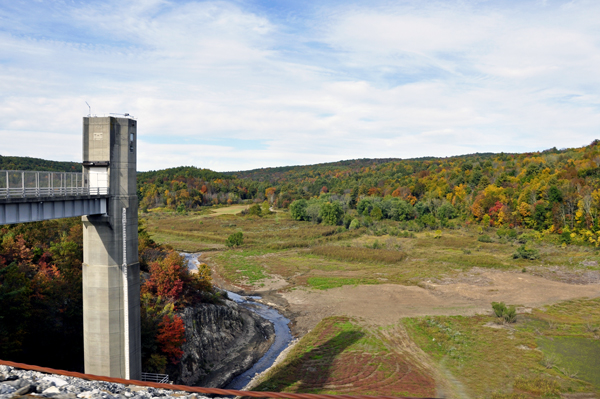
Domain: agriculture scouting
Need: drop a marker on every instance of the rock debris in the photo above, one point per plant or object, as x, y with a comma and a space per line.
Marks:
16, 382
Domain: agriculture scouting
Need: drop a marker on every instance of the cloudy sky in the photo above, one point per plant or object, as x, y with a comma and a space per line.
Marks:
235, 85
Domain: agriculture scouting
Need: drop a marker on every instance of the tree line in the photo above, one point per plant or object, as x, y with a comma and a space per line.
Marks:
553, 191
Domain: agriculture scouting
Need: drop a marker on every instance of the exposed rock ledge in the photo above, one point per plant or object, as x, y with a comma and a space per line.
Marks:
222, 341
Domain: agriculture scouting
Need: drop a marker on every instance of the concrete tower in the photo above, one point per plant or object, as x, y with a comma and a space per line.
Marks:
111, 272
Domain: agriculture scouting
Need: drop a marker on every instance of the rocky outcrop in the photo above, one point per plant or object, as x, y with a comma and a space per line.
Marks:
222, 341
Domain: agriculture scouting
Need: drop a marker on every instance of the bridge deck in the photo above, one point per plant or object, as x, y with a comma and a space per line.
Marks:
30, 196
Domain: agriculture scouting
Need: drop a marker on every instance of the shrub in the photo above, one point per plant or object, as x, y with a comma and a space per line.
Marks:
376, 245
499, 308
512, 234
484, 238
360, 254
428, 220
538, 385
565, 237
235, 240
550, 361
347, 220
523, 252
354, 224
254, 210
508, 314
508, 233
525, 238
265, 208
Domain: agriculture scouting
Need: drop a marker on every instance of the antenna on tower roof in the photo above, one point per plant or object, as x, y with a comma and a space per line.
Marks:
89, 109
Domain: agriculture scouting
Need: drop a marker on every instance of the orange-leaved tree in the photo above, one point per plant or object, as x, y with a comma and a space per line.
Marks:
169, 287
166, 277
171, 335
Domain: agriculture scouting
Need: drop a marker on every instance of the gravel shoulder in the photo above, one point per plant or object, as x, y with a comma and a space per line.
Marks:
15, 383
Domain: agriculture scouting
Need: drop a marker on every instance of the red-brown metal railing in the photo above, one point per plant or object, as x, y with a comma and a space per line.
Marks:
209, 391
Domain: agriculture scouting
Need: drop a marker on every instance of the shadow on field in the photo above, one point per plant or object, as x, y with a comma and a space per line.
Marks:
311, 371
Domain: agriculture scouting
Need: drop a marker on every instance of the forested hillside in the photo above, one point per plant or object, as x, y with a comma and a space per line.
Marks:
283, 172
554, 191
26, 163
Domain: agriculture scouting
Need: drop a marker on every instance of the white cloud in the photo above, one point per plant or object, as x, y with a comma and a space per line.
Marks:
394, 81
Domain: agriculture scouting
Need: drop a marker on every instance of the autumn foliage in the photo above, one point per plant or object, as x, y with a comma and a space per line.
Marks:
166, 277
171, 333
168, 288
41, 310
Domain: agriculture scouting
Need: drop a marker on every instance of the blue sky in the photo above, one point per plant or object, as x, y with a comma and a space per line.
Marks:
234, 85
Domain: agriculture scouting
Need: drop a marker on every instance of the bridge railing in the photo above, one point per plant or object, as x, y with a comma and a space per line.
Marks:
21, 184
153, 377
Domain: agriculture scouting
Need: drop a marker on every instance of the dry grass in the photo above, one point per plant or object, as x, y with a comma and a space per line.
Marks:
303, 250
538, 385
357, 254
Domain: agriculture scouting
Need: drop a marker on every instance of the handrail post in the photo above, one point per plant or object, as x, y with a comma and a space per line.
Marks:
7, 186
23, 184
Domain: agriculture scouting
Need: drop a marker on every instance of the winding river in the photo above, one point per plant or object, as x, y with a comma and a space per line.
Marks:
283, 335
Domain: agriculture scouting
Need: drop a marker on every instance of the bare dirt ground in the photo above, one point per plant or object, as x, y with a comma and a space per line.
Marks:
386, 303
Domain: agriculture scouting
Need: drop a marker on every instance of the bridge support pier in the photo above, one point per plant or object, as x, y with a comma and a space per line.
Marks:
111, 275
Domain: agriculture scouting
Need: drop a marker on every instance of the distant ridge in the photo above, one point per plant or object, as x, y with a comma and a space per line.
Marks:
275, 173
27, 163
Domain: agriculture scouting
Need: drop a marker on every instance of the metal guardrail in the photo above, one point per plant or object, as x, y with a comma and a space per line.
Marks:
158, 378
22, 184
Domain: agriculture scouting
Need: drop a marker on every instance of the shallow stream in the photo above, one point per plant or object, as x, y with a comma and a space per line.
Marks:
283, 335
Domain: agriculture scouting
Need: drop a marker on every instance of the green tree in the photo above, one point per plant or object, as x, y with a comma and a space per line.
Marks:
353, 198
14, 310
235, 240
254, 210
365, 206
298, 209
331, 213
265, 208
376, 213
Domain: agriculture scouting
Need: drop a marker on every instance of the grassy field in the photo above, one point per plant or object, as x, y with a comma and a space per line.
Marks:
549, 351
305, 254
544, 353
